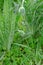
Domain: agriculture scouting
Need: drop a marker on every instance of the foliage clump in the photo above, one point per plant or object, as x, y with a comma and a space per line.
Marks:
21, 32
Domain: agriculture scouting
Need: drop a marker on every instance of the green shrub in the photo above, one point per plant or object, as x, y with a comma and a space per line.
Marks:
21, 32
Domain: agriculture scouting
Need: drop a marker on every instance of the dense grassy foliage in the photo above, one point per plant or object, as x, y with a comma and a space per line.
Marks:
21, 32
